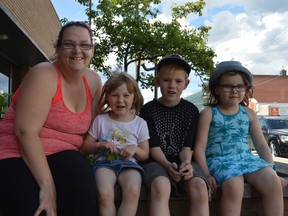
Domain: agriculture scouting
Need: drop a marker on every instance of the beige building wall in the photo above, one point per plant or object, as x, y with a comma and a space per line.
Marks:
37, 19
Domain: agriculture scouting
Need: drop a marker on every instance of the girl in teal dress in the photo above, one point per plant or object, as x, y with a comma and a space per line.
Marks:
222, 148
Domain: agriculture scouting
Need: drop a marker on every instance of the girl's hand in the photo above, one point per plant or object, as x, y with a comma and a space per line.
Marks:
173, 171
187, 170
47, 199
110, 146
283, 182
212, 183
128, 151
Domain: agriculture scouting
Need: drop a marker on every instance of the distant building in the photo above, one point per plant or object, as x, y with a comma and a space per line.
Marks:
271, 94
269, 90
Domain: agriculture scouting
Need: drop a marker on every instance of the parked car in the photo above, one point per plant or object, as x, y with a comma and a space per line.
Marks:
275, 131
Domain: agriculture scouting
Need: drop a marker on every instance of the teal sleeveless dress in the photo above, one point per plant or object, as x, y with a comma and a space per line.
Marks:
228, 153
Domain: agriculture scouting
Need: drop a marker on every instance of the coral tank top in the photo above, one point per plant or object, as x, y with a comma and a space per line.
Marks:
63, 129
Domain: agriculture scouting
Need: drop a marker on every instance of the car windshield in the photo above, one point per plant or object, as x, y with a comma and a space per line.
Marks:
278, 123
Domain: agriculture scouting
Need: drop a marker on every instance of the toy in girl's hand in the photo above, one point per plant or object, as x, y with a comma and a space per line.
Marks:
114, 156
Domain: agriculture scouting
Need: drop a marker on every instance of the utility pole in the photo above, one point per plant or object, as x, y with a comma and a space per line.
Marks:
90, 8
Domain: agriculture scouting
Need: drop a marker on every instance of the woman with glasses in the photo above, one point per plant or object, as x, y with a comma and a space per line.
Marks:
42, 170
222, 148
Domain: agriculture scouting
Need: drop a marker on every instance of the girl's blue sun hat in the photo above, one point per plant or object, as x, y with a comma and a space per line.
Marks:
229, 66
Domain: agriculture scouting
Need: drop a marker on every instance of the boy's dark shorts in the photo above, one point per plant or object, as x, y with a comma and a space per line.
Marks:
153, 170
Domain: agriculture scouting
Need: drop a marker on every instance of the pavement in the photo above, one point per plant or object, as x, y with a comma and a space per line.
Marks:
281, 165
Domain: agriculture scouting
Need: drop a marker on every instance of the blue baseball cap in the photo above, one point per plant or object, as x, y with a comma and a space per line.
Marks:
174, 59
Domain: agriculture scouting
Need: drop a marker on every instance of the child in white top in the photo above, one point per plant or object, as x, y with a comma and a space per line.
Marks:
118, 138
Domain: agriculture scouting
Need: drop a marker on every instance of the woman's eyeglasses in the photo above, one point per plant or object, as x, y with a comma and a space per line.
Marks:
82, 46
229, 88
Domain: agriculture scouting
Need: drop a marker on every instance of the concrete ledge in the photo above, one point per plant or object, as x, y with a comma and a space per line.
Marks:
251, 204
249, 193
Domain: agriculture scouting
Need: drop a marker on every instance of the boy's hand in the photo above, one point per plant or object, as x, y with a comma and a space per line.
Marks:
187, 170
173, 171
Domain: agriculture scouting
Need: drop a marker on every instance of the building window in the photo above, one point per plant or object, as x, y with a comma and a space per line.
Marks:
4, 83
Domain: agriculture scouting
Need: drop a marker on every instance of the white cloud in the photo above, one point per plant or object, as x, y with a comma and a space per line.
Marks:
254, 32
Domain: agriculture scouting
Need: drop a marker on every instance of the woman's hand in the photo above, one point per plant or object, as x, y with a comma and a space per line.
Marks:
47, 199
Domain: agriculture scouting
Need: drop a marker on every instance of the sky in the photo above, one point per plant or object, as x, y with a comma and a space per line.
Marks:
254, 32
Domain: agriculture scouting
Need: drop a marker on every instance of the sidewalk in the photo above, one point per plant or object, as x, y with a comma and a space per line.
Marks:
282, 165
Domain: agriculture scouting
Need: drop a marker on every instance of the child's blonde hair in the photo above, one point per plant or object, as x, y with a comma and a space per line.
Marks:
171, 68
116, 80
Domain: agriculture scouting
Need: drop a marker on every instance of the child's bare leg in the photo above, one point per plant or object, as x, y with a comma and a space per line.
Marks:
105, 182
160, 194
199, 198
130, 181
269, 186
232, 194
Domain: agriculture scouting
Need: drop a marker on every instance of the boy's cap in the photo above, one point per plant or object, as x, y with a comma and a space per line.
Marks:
228, 66
174, 59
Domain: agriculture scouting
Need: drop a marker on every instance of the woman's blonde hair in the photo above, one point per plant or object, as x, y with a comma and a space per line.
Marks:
116, 80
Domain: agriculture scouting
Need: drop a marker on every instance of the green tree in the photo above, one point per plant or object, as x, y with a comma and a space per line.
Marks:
133, 32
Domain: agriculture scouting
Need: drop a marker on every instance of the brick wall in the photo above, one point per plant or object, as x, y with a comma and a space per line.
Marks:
37, 19
270, 89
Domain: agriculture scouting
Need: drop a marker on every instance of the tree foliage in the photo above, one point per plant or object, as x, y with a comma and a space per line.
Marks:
134, 32
4, 98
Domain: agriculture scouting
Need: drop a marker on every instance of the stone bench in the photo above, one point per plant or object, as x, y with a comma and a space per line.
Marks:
251, 204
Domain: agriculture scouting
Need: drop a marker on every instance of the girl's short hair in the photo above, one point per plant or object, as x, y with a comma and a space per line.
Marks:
116, 80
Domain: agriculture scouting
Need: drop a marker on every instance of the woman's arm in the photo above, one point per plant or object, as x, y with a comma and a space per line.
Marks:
33, 105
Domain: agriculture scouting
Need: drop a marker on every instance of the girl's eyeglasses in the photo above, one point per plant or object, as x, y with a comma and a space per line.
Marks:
229, 88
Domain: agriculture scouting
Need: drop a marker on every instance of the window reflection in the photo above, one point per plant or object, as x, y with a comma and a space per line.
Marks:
4, 80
